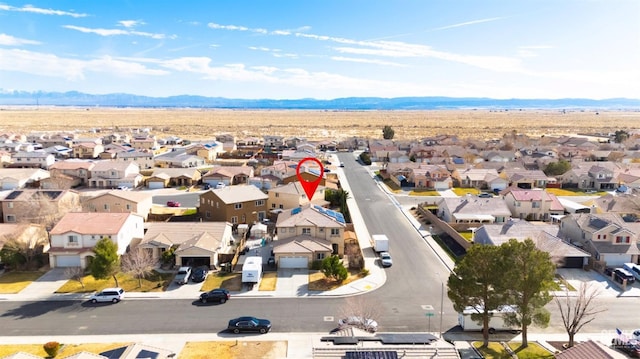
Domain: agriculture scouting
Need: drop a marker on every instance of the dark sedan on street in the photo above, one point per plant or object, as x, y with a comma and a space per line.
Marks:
216, 295
249, 324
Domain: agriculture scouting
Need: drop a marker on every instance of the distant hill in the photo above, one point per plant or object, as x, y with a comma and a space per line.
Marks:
73, 98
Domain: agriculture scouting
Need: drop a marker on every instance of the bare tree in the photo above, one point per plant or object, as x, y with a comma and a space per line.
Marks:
364, 310
139, 262
23, 248
42, 209
580, 311
75, 273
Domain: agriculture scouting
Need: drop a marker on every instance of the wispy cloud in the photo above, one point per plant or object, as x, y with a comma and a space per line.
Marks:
117, 32
37, 10
467, 23
130, 23
71, 69
531, 51
367, 61
213, 25
274, 52
8, 40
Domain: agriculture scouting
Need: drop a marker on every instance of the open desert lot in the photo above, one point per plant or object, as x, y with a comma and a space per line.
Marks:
319, 124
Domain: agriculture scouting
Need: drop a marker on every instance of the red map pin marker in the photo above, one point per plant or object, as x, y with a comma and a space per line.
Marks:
310, 187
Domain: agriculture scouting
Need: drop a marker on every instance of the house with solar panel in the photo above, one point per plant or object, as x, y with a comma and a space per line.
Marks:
38, 206
306, 234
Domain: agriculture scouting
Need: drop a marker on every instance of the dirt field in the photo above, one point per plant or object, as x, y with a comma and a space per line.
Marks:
315, 125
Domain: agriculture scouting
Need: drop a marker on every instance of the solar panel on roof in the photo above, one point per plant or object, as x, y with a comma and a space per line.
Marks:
13, 195
296, 210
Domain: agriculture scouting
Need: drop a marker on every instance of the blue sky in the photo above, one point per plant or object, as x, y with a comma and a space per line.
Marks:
325, 49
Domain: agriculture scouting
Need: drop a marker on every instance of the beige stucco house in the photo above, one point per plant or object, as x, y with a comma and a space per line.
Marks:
136, 202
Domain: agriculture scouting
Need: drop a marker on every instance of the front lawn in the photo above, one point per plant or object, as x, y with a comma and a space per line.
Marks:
318, 282
14, 282
65, 351
268, 281
229, 281
424, 192
156, 282
496, 351
465, 191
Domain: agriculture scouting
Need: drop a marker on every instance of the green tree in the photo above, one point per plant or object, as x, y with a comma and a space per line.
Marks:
388, 132
620, 136
477, 282
557, 168
342, 197
332, 267
106, 261
528, 274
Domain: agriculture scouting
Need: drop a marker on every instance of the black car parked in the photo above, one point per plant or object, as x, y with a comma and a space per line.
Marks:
215, 295
249, 324
620, 274
199, 274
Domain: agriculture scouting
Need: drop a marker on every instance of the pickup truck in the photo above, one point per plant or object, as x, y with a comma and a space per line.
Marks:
184, 273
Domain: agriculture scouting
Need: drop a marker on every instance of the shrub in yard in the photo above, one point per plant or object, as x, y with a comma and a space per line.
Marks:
51, 348
316, 265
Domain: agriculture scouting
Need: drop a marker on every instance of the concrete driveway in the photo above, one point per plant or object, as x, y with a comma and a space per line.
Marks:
292, 283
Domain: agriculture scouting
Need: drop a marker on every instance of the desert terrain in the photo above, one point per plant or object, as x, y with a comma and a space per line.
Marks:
318, 124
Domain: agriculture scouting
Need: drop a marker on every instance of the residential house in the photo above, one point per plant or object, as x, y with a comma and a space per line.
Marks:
137, 202
472, 209
273, 142
178, 158
625, 205
78, 170
610, 240
112, 174
306, 234
264, 183
234, 204
532, 204
111, 151
294, 142
14, 178
194, 243
430, 177
229, 175
379, 149
281, 169
34, 159
144, 159
527, 178
144, 143
75, 235
59, 152
499, 156
116, 138
307, 175
545, 236
480, 178
38, 206
209, 151
87, 150
168, 177
298, 154
292, 195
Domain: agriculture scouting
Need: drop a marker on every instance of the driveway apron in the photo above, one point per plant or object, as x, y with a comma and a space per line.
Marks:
46, 285
292, 282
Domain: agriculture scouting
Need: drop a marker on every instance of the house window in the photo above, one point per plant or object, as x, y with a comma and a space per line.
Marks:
598, 236
321, 230
128, 206
234, 219
260, 203
335, 231
273, 205
11, 218
277, 195
292, 230
106, 207
237, 206
207, 214
306, 230
535, 204
72, 240
320, 256
517, 204
10, 204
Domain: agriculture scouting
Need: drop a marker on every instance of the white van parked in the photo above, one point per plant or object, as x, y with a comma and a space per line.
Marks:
633, 269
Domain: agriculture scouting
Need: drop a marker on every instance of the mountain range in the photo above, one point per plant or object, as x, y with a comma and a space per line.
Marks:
74, 98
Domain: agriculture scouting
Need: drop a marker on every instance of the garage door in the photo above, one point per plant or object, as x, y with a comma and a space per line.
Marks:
616, 260
572, 262
156, 185
67, 261
293, 262
195, 261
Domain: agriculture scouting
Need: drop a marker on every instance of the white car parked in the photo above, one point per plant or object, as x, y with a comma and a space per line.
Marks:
113, 295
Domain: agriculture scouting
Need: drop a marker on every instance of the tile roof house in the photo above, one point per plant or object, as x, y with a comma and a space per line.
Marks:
137, 202
33, 159
532, 204
13, 178
480, 178
527, 178
195, 243
234, 204
38, 206
610, 240
79, 170
306, 234
75, 235
111, 174
167, 177
292, 195
280, 169
87, 150
229, 175
545, 236
472, 209
589, 349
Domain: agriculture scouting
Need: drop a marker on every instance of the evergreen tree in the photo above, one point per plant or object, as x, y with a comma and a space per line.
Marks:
106, 261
